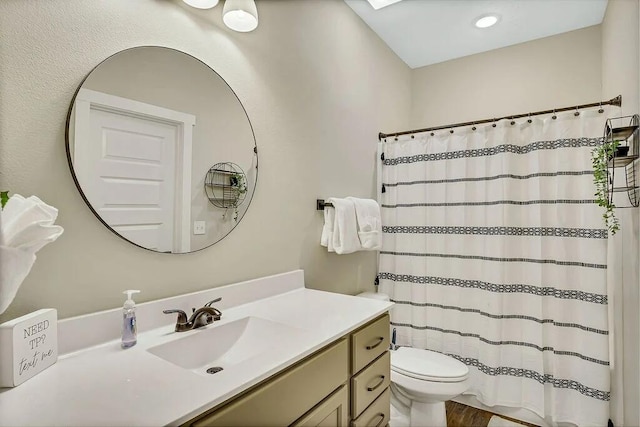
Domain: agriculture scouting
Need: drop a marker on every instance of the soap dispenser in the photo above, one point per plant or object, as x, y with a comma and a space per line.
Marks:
129, 329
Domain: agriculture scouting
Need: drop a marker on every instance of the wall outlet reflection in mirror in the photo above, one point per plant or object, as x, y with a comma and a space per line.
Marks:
199, 227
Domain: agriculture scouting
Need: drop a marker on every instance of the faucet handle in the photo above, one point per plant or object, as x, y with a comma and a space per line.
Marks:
213, 301
182, 316
217, 314
204, 316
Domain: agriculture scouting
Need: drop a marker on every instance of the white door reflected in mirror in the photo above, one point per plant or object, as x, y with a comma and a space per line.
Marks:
133, 179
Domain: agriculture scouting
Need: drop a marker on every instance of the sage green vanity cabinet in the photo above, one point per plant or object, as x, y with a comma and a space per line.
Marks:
345, 382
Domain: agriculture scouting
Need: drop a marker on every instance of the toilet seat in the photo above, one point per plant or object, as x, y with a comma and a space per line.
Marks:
428, 365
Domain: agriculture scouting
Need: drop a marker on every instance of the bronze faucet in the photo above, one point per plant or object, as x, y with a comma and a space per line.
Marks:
200, 317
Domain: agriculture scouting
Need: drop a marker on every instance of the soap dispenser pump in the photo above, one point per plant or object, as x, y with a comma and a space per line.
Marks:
129, 329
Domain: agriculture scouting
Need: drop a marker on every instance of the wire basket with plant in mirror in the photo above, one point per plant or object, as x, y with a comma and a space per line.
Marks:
226, 186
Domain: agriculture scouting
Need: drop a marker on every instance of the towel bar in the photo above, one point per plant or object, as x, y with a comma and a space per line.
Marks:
320, 204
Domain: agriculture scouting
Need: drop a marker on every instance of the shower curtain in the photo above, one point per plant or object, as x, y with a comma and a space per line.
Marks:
495, 253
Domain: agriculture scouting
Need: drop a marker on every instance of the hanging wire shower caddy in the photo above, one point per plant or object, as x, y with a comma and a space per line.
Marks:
624, 131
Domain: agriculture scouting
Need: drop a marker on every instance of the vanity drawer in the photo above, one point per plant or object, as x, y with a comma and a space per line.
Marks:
369, 383
376, 415
281, 400
369, 343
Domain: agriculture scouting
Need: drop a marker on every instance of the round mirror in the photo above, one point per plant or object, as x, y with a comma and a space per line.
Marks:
145, 129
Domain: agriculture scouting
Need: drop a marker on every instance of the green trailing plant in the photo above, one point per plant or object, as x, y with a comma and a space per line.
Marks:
239, 187
4, 198
600, 158
238, 184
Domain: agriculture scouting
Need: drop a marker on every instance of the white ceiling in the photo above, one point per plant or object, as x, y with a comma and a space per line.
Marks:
424, 32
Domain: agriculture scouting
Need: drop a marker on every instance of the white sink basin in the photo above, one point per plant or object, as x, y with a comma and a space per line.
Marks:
226, 345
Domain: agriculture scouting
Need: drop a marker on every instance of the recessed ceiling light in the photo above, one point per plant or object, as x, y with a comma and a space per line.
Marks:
379, 4
486, 21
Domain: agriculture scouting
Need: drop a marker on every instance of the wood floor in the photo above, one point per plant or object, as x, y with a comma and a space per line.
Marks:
459, 415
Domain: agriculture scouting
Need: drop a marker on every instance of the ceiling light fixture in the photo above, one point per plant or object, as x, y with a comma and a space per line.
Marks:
379, 4
240, 15
201, 4
486, 21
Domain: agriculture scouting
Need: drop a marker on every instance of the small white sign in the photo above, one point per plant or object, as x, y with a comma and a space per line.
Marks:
28, 345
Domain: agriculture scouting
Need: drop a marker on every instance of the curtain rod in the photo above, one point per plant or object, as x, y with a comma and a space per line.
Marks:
617, 101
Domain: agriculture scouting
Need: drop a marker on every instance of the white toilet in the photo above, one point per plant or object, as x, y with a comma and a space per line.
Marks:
421, 381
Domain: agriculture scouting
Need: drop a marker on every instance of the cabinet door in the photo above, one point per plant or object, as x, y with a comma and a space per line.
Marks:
331, 412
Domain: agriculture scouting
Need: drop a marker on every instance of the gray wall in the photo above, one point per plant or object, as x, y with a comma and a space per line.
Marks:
317, 85
551, 72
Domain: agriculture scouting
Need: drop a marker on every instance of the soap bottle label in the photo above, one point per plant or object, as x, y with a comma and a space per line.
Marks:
132, 326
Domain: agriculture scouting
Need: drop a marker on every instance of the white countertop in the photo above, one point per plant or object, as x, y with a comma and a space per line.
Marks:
105, 385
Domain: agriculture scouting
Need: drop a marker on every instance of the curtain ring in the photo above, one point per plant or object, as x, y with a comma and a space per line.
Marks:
412, 136
395, 139
513, 122
529, 119
451, 131
432, 134
601, 110
577, 113
474, 127
554, 115
494, 123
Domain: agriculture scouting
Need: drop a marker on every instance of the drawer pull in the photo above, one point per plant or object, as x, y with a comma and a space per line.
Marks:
372, 346
377, 385
379, 422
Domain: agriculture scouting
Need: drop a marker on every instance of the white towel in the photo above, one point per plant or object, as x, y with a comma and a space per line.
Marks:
369, 223
326, 239
345, 227
26, 225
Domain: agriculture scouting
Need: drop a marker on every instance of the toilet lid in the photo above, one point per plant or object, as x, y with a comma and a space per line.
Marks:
427, 365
